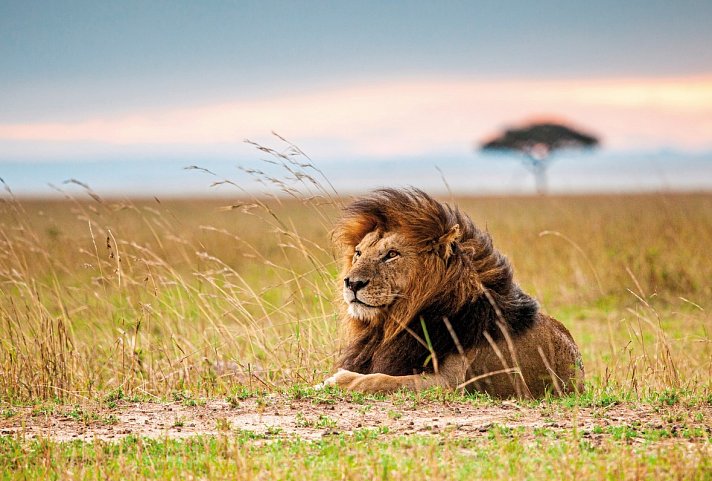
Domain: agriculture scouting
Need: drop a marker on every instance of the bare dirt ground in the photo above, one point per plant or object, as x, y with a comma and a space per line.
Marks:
279, 416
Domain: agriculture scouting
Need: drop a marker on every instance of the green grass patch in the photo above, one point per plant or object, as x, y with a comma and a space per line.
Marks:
503, 454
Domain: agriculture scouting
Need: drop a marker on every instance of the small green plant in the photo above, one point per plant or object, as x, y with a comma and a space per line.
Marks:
223, 424
497, 431
365, 434
624, 432
325, 422
241, 392
113, 396
110, 420
357, 397
77, 414
181, 396
44, 409
301, 421
668, 397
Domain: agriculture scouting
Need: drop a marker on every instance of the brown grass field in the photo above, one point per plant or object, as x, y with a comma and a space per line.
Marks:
189, 301
150, 296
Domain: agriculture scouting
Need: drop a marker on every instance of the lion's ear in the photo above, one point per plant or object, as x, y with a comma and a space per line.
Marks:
447, 242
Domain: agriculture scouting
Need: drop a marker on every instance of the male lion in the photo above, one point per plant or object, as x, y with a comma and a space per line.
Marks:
430, 302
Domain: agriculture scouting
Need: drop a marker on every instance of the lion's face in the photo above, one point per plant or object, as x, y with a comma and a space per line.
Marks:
382, 272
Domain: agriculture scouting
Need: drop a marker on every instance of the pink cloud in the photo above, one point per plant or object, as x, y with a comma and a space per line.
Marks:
412, 116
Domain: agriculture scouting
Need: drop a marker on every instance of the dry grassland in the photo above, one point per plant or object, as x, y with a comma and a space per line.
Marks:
107, 302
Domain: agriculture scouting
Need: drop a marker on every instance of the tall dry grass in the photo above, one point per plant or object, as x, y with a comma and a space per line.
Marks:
156, 297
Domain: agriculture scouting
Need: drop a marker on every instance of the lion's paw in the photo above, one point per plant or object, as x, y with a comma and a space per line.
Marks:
341, 378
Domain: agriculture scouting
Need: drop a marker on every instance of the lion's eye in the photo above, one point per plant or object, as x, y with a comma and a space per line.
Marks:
392, 254
357, 253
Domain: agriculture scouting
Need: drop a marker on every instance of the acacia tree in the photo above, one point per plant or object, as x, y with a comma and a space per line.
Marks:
538, 141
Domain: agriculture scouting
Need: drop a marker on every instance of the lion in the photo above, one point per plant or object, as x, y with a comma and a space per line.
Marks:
430, 302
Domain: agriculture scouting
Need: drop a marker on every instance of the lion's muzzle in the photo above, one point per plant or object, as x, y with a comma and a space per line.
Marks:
359, 295
354, 284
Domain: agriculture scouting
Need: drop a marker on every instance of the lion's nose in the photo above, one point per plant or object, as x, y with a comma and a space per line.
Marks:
354, 284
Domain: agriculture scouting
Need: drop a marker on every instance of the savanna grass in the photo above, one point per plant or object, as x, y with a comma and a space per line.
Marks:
152, 298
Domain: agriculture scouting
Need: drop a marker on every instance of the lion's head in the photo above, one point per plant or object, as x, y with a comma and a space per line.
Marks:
387, 269
404, 251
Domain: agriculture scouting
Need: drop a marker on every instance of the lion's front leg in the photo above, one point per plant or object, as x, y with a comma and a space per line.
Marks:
366, 383
383, 383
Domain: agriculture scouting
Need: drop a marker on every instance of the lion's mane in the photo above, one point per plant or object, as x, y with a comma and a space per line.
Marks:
477, 294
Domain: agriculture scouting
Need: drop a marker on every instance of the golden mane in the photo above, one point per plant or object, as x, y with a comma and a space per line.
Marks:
477, 293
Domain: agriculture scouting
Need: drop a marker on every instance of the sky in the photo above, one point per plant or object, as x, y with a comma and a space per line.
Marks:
137, 82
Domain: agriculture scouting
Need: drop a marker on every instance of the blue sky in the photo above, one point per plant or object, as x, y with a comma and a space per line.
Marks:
60, 59
382, 80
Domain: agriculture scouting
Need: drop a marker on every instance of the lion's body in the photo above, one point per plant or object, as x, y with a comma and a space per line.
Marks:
546, 354
432, 303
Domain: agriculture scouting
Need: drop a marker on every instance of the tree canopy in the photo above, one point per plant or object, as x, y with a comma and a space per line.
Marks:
538, 141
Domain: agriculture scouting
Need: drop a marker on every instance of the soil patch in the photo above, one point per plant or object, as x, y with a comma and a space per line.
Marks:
278, 416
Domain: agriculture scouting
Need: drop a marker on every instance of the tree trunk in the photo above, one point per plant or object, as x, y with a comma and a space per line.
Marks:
540, 178
538, 167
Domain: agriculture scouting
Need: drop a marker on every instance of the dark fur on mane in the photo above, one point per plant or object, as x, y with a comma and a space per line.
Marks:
489, 301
